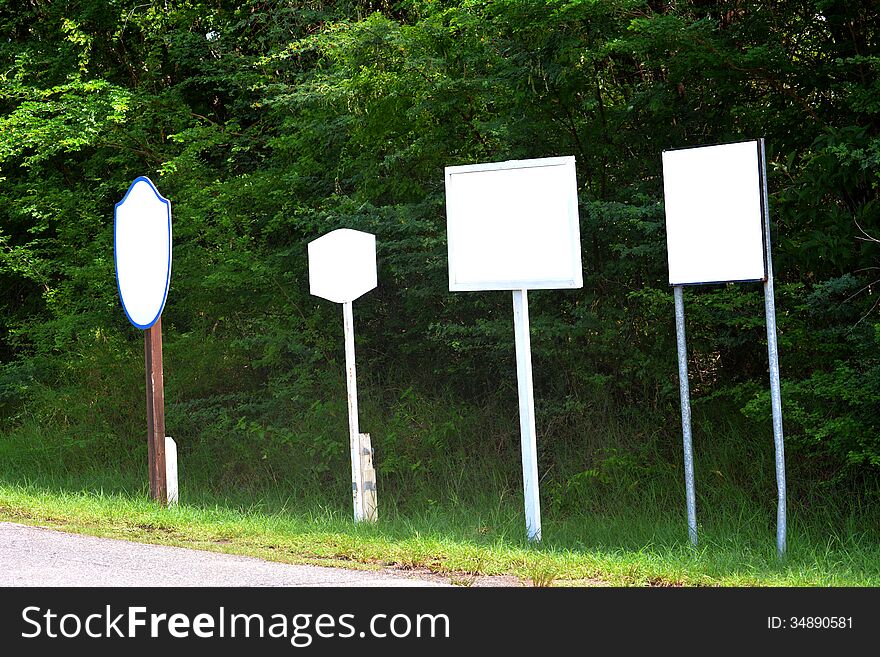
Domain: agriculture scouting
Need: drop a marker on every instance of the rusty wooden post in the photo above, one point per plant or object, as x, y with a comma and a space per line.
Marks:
155, 412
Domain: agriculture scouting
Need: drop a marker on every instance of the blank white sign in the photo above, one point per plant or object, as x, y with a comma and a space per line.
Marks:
513, 225
342, 265
714, 222
142, 251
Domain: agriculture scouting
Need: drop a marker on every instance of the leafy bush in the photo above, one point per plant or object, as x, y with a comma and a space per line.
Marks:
268, 124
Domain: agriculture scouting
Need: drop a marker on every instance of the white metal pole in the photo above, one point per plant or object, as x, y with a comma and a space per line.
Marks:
773, 357
685, 393
171, 470
527, 414
357, 479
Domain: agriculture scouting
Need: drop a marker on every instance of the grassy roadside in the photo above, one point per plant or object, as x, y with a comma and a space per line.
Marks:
644, 548
450, 496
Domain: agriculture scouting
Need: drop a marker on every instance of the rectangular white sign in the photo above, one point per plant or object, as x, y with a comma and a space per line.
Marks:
714, 214
513, 225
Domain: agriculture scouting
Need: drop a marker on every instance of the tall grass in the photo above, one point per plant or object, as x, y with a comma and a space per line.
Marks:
450, 492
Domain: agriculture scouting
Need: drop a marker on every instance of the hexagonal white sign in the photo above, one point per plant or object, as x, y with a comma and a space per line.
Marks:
142, 252
342, 265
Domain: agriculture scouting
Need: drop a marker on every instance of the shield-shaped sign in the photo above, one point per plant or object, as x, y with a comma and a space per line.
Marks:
142, 252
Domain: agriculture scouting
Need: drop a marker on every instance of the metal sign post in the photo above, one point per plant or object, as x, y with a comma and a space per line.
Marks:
685, 393
357, 477
342, 267
527, 414
718, 230
515, 226
142, 255
773, 358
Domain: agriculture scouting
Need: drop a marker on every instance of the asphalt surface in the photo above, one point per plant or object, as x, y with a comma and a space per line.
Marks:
36, 556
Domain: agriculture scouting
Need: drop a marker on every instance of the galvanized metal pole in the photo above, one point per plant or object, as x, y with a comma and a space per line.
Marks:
685, 393
773, 356
527, 414
357, 479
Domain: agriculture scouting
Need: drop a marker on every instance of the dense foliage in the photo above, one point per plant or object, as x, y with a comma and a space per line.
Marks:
268, 123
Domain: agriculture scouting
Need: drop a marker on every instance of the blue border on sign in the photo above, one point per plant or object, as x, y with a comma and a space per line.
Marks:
115, 264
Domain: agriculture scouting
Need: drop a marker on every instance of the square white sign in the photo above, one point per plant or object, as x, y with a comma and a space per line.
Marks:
714, 214
513, 225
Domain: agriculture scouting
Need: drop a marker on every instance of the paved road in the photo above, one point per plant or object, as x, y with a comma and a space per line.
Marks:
36, 556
